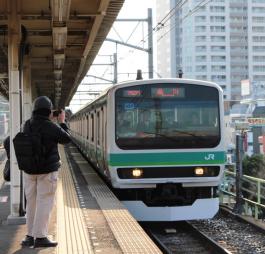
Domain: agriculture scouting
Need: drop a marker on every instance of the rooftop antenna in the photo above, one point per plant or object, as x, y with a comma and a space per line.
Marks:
139, 75
180, 73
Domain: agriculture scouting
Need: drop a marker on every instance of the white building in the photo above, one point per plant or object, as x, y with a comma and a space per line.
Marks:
221, 41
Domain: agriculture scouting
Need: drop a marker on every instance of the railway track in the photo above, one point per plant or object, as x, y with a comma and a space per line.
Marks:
225, 233
237, 236
182, 238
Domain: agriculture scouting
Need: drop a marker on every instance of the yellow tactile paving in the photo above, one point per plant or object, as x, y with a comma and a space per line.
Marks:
71, 231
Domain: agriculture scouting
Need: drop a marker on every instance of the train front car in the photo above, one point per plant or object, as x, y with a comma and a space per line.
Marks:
166, 151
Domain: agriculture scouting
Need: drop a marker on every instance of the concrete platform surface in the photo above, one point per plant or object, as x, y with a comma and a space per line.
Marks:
86, 219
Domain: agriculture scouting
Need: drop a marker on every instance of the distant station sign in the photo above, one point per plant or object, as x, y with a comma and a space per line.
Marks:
256, 122
241, 125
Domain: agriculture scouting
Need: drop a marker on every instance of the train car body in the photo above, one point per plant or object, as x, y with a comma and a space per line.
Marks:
159, 143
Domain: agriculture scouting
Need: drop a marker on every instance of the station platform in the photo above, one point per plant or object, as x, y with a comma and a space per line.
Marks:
87, 217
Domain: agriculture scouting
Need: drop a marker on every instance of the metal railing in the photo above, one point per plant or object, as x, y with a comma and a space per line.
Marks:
253, 190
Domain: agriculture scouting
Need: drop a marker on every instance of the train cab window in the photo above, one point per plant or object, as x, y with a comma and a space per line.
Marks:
164, 116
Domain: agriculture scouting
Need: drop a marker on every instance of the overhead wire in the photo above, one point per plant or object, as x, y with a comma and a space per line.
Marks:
195, 9
158, 27
168, 17
161, 24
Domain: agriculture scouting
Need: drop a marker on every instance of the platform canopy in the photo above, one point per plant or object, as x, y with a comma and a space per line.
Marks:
61, 38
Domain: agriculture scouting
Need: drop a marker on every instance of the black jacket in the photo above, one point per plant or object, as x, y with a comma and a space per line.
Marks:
7, 165
52, 134
7, 146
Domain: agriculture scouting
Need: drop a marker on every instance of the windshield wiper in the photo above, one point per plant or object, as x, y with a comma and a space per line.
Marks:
187, 133
175, 138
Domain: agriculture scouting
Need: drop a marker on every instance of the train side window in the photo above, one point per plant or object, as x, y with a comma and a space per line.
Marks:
87, 127
81, 126
78, 124
102, 126
79, 131
84, 130
92, 127
98, 128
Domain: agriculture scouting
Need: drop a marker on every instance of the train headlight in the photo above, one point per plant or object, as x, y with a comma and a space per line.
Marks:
199, 171
137, 172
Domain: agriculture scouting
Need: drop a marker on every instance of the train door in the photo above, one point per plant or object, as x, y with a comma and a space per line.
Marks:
98, 136
80, 127
104, 141
87, 134
101, 138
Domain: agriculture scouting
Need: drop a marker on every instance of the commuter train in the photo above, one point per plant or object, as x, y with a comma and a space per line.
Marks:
159, 143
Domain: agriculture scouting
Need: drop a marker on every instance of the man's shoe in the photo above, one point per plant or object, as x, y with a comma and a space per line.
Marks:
44, 242
28, 241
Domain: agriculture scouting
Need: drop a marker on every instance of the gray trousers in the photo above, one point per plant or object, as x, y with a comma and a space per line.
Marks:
40, 194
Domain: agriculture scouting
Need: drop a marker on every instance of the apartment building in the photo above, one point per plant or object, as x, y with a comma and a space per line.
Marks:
219, 40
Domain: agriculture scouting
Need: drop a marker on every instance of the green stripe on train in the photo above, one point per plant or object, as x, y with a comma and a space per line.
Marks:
148, 159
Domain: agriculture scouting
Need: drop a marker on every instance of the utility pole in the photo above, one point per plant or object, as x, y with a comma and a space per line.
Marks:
239, 173
115, 68
149, 50
150, 44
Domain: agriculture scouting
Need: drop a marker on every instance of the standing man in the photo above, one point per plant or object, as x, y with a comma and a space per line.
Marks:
40, 188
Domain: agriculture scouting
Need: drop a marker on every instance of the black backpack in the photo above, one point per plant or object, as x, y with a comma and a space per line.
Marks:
29, 150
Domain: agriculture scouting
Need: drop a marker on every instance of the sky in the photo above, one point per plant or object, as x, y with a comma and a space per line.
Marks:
129, 59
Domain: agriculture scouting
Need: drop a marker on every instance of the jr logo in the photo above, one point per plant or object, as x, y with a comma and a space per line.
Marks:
210, 156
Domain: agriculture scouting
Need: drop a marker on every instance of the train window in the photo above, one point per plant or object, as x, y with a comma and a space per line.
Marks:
167, 116
98, 128
102, 126
84, 126
79, 131
78, 125
87, 125
82, 122
92, 127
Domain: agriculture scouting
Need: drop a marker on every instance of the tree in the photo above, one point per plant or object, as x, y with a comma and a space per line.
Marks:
254, 165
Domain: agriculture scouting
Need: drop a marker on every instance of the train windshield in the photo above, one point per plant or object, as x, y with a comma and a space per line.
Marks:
167, 116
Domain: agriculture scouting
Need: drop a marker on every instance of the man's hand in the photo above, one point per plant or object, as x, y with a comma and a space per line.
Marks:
61, 117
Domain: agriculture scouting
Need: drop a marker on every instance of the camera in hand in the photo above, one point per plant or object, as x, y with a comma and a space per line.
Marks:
57, 113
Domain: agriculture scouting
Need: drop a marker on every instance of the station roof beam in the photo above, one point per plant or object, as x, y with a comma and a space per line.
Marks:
64, 37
